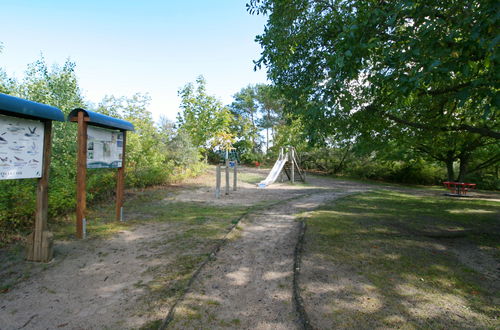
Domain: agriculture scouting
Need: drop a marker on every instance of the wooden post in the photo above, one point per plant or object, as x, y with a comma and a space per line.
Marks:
120, 182
81, 174
40, 242
227, 176
235, 175
217, 181
292, 162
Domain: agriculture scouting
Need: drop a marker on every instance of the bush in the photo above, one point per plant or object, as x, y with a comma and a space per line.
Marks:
412, 172
155, 155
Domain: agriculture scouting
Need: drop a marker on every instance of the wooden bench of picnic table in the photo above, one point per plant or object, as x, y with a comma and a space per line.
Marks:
459, 188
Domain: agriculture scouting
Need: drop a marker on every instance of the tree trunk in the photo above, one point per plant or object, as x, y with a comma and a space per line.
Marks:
449, 169
340, 166
254, 130
267, 129
267, 140
464, 162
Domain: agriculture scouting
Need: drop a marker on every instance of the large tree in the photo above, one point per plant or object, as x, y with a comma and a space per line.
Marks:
203, 116
257, 107
245, 110
271, 109
425, 64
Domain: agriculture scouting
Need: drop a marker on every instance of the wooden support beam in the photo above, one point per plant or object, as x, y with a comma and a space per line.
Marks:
40, 241
120, 182
227, 176
81, 175
235, 176
76, 119
217, 181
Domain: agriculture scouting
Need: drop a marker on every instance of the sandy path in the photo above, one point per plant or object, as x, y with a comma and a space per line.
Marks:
249, 285
92, 285
97, 284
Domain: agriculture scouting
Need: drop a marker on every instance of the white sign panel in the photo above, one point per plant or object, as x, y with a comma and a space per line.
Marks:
21, 148
104, 148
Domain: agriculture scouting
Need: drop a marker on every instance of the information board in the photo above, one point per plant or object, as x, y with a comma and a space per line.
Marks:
104, 148
21, 148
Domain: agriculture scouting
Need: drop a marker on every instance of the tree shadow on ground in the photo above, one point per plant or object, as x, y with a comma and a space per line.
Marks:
392, 260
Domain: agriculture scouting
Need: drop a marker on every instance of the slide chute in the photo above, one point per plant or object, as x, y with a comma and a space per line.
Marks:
287, 163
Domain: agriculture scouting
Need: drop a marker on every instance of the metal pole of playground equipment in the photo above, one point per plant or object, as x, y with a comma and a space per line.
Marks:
280, 156
235, 175
227, 176
292, 162
217, 182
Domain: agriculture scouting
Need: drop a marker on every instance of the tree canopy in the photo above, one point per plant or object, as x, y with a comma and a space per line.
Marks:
203, 116
424, 64
421, 74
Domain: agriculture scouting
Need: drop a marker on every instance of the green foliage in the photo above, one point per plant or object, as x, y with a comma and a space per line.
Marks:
154, 155
245, 110
290, 134
256, 108
383, 165
203, 116
419, 74
415, 172
414, 63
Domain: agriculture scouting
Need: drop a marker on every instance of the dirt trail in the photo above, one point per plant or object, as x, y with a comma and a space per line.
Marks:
99, 283
249, 285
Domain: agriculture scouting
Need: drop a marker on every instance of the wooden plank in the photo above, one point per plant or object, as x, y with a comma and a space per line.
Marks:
73, 119
40, 241
81, 175
120, 182
296, 166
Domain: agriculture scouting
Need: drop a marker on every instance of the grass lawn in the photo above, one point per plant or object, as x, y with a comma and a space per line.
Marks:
400, 260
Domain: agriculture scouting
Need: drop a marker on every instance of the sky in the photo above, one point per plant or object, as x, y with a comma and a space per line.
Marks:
124, 47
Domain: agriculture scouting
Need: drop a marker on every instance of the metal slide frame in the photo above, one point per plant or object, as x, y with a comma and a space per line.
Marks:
275, 171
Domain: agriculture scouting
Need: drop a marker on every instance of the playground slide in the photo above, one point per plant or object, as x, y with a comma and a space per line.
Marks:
273, 175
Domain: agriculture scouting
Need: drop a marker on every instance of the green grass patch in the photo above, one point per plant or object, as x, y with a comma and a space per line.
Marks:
414, 253
152, 325
148, 206
251, 178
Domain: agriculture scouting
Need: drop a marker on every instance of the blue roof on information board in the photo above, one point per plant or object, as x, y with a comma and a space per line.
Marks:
98, 119
20, 107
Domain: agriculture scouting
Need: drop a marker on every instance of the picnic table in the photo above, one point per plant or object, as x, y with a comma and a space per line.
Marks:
459, 188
